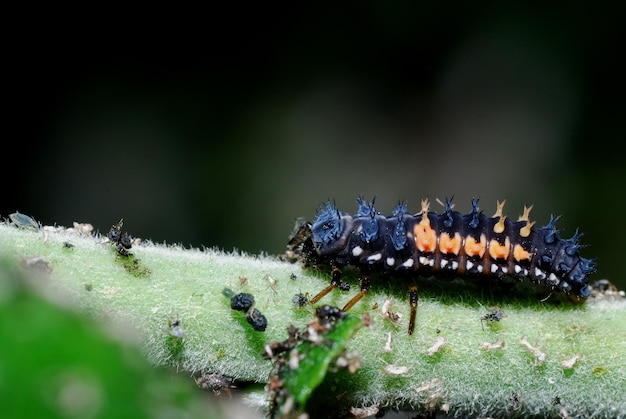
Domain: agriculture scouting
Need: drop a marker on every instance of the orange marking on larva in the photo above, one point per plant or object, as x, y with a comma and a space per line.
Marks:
520, 254
449, 244
525, 231
499, 251
425, 236
475, 248
499, 226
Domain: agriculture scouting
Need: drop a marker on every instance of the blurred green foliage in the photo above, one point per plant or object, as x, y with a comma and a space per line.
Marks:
55, 363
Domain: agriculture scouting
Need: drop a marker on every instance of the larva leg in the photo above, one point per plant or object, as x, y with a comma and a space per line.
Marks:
365, 286
413, 301
334, 283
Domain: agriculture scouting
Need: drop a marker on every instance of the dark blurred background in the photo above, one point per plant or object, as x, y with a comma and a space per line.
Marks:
220, 127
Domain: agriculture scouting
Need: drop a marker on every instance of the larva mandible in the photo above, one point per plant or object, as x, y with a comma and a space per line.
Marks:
445, 244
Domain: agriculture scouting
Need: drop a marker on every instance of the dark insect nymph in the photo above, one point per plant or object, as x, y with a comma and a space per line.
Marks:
448, 244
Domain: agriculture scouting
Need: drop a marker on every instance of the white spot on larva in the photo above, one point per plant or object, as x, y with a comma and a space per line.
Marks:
408, 263
479, 268
375, 256
357, 251
539, 274
423, 260
505, 269
444, 262
391, 261
518, 269
494, 268
469, 265
455, 265
552, 279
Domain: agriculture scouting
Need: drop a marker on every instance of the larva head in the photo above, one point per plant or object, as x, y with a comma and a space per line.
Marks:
328, 230
562, 258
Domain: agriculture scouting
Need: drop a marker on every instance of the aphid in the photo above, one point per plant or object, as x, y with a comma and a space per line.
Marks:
494, 315
449, 244
327, 312
122, 241
300, 300
115, 232
23, 221
603, 288
175, 326
217, 383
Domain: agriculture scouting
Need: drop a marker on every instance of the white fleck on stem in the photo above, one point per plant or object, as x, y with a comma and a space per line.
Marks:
437, 345
540, 357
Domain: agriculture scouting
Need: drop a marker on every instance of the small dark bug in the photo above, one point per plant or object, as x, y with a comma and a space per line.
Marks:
448, 244
245, 302
217, 383
175, 326
122, 241
494, 315
300, 300
242, 302
256, 320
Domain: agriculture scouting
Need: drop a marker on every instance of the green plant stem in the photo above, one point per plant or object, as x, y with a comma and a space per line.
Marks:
443, 367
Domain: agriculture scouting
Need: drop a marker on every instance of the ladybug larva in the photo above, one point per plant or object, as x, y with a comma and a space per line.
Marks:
446, 244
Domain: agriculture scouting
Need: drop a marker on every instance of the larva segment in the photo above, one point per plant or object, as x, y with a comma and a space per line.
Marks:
424, 234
